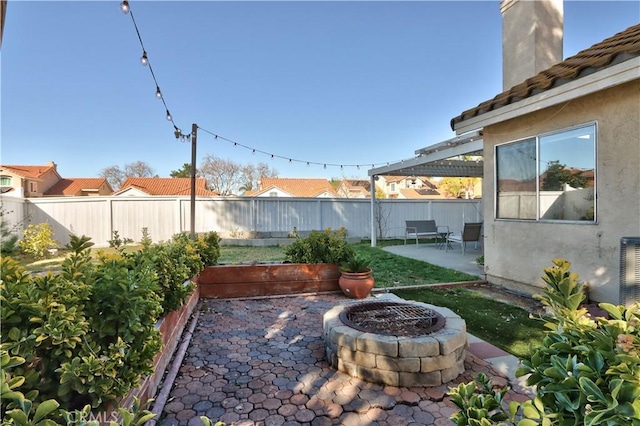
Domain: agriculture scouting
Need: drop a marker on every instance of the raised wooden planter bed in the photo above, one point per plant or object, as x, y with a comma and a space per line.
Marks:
228, 281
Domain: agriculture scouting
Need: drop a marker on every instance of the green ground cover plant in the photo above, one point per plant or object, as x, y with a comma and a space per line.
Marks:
586, 369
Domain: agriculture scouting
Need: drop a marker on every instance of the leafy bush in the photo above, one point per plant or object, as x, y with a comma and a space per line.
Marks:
37, 239
87, 334
326, 246
587, 371
22, 410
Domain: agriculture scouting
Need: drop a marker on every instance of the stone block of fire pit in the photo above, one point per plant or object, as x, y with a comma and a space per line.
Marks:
395, 342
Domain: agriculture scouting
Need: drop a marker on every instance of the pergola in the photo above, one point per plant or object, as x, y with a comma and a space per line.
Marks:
441, 159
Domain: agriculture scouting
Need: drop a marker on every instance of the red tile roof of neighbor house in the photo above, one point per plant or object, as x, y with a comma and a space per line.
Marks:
621, 47
75, 186
423, 193
296, 187
167, 186
31, 172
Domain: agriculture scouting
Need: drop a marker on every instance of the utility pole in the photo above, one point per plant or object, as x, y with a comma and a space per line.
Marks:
194, 137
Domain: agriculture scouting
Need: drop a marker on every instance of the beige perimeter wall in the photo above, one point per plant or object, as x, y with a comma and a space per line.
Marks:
516, 252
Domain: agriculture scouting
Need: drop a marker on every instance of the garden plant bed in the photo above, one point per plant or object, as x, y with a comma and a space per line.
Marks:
171, 328
230, 281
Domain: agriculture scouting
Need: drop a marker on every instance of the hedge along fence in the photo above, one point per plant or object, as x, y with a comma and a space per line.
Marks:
88, 333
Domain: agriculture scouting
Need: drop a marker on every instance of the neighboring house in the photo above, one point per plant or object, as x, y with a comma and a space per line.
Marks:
393, 186
419, 194
69, 187
293, 187
142, 186
28, 181
582, 115
354, 188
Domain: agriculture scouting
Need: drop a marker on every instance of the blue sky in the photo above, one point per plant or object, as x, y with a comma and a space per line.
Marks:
321, 82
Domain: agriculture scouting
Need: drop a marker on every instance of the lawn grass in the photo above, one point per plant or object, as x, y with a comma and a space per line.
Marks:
506, 326
243, 254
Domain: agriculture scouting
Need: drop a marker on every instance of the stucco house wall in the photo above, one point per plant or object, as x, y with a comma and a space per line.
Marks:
517, 251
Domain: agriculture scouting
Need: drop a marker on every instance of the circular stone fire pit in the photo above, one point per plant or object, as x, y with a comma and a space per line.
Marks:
395, 342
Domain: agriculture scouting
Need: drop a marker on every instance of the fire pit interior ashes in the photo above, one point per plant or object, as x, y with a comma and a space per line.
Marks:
392, 341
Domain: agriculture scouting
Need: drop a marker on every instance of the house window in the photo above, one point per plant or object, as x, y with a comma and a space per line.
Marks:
33, 187
393, 187
273, 194
5, 180
549, 177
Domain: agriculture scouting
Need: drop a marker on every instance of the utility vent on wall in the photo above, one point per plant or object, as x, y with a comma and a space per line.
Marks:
629, 270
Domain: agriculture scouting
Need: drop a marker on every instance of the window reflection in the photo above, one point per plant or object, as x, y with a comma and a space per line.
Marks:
551, 177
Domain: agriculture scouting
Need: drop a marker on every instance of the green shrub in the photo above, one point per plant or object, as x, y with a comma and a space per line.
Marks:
326, 246
87, 334
37, 239
209, 248
586, 371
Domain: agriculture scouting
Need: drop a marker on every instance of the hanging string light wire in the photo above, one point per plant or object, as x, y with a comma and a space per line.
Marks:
126, 9
294, 160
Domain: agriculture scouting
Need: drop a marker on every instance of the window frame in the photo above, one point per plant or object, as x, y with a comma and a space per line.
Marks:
536, 138
6, 178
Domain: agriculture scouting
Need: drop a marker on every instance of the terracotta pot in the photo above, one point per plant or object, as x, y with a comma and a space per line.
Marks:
356, 285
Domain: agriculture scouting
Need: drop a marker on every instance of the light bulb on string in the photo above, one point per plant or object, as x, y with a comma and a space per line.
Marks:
158, 93
308, 164
290, 161
124, 6
358, 166
253, 152
272, 156
325, 166
143, 59
168, 116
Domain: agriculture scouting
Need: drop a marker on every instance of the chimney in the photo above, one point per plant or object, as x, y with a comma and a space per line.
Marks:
532, 33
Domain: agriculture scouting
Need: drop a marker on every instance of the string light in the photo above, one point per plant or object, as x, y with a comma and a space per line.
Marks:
144, 59
289, 159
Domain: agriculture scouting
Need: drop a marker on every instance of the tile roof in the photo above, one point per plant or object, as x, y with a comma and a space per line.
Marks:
412, 193
75, 186
167, 186
31, 172
297, 187
358, 183
616, 49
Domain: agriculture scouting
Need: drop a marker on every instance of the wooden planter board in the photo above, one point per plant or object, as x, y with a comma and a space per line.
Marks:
228, 281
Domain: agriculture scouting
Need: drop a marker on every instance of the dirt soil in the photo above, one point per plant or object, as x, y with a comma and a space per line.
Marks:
503, 295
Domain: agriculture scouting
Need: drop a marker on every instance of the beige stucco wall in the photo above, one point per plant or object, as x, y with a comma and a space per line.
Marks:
516, 252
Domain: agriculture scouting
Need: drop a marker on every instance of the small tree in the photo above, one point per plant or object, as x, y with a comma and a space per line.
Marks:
37, 240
